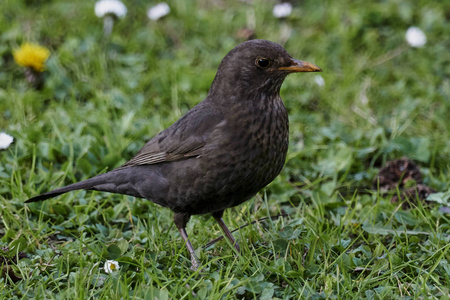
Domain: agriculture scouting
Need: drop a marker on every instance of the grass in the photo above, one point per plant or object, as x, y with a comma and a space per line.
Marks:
104, 98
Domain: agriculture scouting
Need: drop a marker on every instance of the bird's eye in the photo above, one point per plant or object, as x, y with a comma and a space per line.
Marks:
262, 62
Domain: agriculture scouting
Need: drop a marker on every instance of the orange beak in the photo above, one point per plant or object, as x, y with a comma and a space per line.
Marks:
301, 66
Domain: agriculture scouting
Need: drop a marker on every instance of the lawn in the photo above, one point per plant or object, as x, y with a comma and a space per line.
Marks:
323, 229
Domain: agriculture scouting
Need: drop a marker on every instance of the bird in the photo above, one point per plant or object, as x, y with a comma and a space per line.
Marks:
220, 153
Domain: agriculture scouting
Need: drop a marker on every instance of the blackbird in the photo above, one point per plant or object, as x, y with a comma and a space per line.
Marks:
222, 152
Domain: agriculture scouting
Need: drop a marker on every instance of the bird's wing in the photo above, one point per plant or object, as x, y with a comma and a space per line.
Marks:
184, 139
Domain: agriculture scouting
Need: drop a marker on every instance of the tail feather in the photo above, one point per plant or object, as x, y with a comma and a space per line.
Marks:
82, 185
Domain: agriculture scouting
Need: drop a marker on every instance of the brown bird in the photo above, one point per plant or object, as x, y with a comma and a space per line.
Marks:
222, 152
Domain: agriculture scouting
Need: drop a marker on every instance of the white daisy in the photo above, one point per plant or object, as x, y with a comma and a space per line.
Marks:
158, 11
282, 10
319, 80
111, 266
115, 7
415, 37
5, 140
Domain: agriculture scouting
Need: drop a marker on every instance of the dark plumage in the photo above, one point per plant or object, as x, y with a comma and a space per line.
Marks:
223, 151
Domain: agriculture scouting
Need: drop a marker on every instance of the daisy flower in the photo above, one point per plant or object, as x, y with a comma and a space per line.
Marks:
108, 10
415, 37
158, 11
111, 266
282, 10
5, 140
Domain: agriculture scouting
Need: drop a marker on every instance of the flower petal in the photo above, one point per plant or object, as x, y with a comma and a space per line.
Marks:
111, 266
416, 37
158, 11
31, 56
319, 80
282, 10
5, 140
114, 7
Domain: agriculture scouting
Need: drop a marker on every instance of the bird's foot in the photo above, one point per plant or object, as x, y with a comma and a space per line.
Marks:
195, 263
226, 231
236, 246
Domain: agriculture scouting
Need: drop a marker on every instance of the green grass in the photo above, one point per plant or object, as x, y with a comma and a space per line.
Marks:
104, 98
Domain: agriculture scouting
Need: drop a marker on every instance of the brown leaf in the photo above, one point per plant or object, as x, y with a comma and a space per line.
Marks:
412, 195
397, 173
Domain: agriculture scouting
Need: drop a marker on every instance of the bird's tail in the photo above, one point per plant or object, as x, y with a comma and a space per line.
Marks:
88, 184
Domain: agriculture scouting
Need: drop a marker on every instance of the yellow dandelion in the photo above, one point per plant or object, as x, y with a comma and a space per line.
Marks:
31, 56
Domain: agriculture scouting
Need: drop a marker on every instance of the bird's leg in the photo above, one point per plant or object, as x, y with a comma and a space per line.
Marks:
181, 221
218, 216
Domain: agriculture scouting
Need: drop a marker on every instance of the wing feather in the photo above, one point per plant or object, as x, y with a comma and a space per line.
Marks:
184, 139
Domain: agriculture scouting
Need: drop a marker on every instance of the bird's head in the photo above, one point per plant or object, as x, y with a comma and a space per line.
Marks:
255, 67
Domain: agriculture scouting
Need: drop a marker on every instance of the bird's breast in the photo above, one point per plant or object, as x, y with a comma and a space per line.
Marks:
256, 146
244, 154
267, 137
